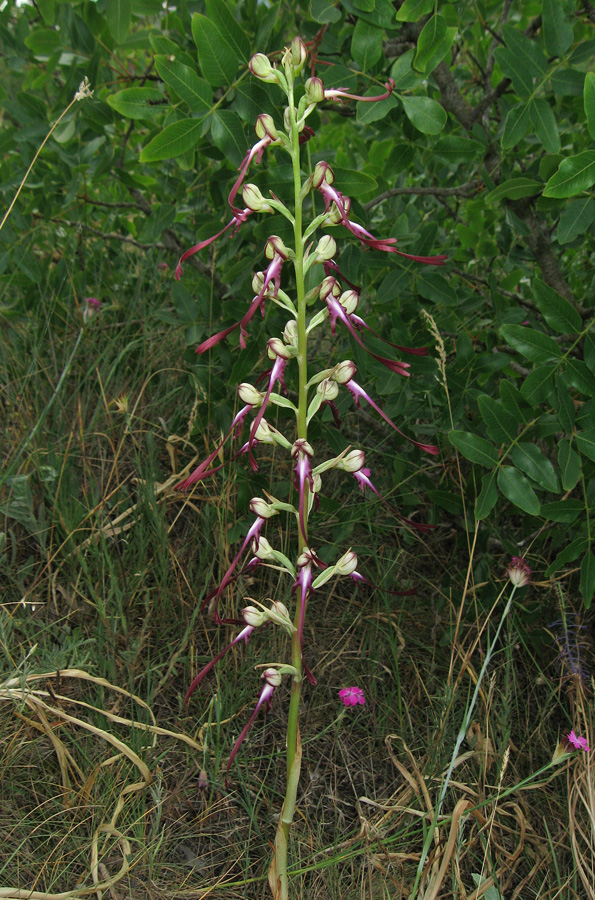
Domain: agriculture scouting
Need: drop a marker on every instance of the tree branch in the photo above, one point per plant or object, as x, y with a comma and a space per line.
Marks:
462, 190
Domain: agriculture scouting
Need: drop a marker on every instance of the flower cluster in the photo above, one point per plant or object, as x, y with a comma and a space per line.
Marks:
334, 300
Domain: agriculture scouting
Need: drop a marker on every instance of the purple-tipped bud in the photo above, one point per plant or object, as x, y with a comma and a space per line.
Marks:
345, 371
322, 172
254, 200
261, 67
276, 347
301, 446
272, 677
329, 285
254, 617
519, 572
315, 91
327, 248
349, 300
258, 282
352, 461
248, 394
262, 509
347, 563
275, 246
265, 127
307, 558
299, 55
263, 433
262, 549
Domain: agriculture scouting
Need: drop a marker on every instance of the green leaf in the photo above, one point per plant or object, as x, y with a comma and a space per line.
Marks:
566, 511
526, 51
195, 91
353, 183
514, 189
557, 32
137, 103
43, 41
47, 11
518, 123
434, 287
424, 114
324, 11
587, 586
517, 489
220, 14
501, 426
568, 82
585, 441
538, 384
488, 496
118, 14
433, 44
174, 140
446, 500
401, 72
534, 345
564, 406
516, 70
530, 460
455, 149
228, 135
575, 218
589, 102
580, 376
557, 312
372, 112
568, 554
217, 59
575, 175
366, 44
570, 465
365, 5
545, 125
413, 10
474, 448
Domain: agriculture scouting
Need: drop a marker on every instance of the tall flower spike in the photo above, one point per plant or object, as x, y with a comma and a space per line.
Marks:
358, 393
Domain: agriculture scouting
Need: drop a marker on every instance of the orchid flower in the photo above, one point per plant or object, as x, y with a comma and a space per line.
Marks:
244, 635
362, 476
315, 88
302, 453
272, 679
358, 393
202, 471
239, 218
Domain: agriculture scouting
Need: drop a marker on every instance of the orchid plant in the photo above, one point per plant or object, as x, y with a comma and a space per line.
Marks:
305, 572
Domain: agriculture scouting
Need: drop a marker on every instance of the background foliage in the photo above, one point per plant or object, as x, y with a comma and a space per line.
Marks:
485, 151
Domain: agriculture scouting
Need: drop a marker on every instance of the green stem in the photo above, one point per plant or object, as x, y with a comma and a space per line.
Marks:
278, 874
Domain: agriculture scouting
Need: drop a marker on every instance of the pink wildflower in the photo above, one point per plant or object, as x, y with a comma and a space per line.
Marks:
351, 696
519, 572
577, 742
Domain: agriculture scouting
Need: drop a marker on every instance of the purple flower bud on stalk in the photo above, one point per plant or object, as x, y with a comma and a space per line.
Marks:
314, 90
519, 572
265, 127
299, 55
254, 200
261, 68
272, 679
326, 248
255, 151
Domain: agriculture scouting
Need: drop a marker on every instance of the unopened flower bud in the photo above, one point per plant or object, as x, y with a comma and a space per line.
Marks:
322, 172
301, 446
299, 55
347, 564
329, 285
276, 347
335, 215
261, 508
248, 394
254, 617
327, 247
316, 485
261, 67
307, 557
329, 389
345, 371
290, 333
262, 549
315, 91
263, 433
254, 200
272, 677
275, 245
349, 301
265, 127
352, 461
258, 282
280, 609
